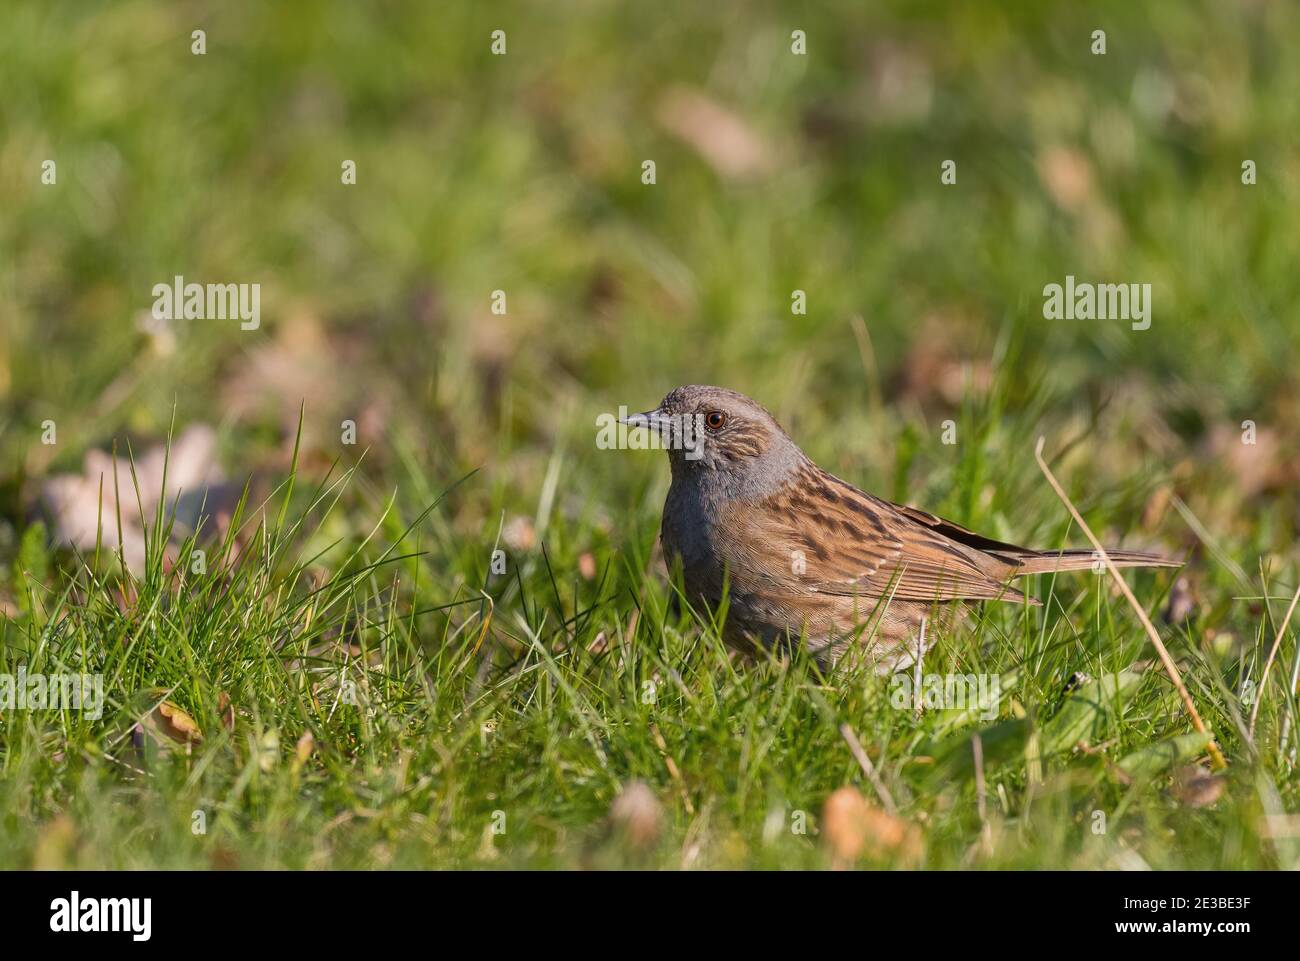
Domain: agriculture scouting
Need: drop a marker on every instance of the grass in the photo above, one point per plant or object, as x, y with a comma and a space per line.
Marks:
393, 699
381, 718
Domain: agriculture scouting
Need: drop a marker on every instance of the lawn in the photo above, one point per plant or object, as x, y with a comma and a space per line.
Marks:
362, 589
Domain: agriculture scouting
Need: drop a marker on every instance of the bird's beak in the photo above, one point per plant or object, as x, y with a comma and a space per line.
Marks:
651, 420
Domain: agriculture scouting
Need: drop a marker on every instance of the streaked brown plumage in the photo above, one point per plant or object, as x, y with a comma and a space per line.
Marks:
800, 553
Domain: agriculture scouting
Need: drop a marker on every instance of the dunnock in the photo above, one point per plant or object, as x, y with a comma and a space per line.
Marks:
799, 553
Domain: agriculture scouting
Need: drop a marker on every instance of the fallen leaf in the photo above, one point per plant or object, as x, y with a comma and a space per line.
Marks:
1156, 506
165, 724
725, 141
226, 710
303, 749
853, 828
176, 724
1257, 467
939, 366
519, 534
186, 480
1182, 602
636, 815
307, 367
1066, 174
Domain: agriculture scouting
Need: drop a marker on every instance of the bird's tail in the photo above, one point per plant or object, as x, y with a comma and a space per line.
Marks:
1079, 559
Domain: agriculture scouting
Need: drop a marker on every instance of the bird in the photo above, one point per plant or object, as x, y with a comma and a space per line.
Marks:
803, 557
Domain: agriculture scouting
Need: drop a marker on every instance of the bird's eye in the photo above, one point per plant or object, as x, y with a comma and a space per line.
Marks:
715, 420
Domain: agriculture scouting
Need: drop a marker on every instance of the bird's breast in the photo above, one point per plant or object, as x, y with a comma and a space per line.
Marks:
688, 529
716, 541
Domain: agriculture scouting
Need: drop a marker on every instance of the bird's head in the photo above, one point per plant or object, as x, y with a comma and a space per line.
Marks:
716, 434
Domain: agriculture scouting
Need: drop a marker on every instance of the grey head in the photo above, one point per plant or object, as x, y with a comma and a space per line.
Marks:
722, 442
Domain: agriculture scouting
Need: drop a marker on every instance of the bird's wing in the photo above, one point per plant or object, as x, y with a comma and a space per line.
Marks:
857, 544
1030, 561
1001, 550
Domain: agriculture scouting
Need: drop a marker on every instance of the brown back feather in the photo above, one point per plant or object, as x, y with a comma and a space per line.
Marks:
858, 544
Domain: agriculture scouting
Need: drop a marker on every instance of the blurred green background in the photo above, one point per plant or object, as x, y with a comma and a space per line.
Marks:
775, 172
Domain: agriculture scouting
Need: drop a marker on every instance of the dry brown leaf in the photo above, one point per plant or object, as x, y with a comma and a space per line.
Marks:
303, 749
637, 815
935, 370
1182, 602
1153, 511
176, 724
166, 724
900, 87
519, 534
853, 828
1256, 467
724, 140
1066, 174
78, 503
309, 368
226, 710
